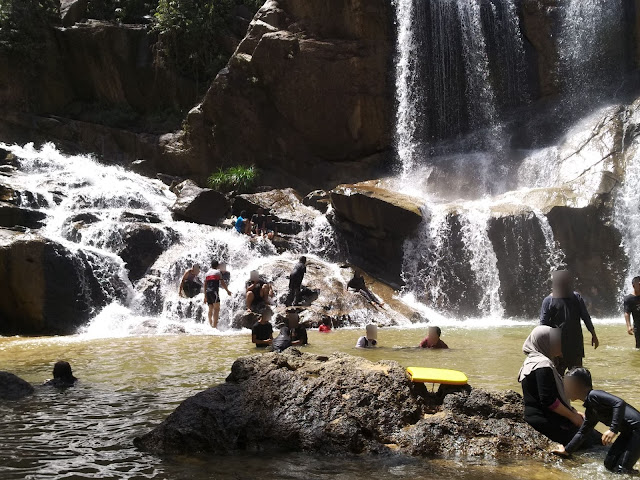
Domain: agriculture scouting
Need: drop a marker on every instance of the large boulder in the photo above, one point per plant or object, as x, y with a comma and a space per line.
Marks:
13, 387
341, 404
50, 290
13, 216
291, 215
199, 205
72, 11
142, 244
375, 222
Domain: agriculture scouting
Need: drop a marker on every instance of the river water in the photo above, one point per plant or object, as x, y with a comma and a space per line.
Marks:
128, 385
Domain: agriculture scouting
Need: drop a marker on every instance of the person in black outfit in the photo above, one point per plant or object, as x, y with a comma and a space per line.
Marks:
262, 331
258, 222
546, 407
613, 411
295, 282
632, 308
564, 309
293, 335
358, 284
62, 376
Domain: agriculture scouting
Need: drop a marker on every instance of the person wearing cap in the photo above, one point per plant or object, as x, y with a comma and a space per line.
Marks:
370, 339
433, 339
564, 309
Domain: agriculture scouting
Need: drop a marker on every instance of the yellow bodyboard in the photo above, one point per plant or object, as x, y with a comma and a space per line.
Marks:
437, 375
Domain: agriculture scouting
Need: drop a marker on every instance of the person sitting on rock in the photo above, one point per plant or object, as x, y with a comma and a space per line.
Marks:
258, 222
262, 331
433, 339
357, 284
224, 273
325, 326
258, 290
370, 339
190, 286
242, 223
295, 282
270, 229
62, 376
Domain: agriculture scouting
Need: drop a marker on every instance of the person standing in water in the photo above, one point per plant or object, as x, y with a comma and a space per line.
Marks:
603, 407
212, 283
262, 331
295, 282
564, 309
190, 286
369, 340
632, 309
433, 339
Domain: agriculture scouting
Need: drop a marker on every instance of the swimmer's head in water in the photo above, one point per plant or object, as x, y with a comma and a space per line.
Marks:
372, 332
577, 383
62, 371
293, 319
434, 332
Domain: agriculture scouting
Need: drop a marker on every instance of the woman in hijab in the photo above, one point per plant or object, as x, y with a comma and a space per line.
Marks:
546, 407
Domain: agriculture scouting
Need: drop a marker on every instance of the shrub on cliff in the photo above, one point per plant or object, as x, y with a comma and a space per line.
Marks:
23, 26
238, 179
125, 11
191, 34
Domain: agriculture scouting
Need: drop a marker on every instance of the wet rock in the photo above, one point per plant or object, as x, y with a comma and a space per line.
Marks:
12, 216
292, 216
318, 199
72, 11
375, 222
199, 205
50, 290
142, 245
340, 404
13, 387
148, 217
245, 320
149, 288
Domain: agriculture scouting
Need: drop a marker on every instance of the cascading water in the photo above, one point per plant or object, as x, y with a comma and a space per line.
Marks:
92, 209
627, 214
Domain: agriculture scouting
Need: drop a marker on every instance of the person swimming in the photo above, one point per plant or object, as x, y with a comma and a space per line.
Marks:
62, 376
622, 419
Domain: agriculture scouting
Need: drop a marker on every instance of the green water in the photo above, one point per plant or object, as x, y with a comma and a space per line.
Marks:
128, 385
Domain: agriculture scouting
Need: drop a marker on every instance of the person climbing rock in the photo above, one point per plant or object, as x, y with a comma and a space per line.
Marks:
632, 309
357, 284
262, 331
564, 309
62, 376
623, 420
213, 281
190, 286
433, 339
370, 339
295, 282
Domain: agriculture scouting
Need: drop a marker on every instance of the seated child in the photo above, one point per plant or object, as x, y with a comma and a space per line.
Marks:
603, 407
433, 339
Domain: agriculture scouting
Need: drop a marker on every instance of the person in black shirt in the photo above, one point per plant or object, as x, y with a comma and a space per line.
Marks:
262, 331
257, 290
564, 309
62, 376
603, 407
358, 284
295, 282
632, 309
258, 222
293, 335
546, 407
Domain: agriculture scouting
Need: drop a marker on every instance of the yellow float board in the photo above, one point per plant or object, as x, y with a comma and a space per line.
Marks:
437, 375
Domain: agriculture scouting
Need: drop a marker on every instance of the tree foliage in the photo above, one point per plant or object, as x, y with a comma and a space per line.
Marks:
23, 26
240, 179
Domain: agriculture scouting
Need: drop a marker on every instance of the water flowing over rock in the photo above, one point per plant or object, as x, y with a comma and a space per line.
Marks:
341, 404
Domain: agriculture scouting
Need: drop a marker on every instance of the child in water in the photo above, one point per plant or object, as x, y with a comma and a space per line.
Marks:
603, 407
433, 339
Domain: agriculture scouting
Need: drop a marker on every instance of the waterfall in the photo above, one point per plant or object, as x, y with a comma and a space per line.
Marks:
627, 214
555, 255
590, 45
484, 263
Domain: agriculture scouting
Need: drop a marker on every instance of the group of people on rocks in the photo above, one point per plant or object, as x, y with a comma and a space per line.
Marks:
553, 375
259, 224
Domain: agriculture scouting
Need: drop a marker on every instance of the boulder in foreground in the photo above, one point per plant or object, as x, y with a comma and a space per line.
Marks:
341, 404
13, 387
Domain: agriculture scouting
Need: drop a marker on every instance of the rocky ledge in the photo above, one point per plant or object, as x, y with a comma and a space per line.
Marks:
341, 404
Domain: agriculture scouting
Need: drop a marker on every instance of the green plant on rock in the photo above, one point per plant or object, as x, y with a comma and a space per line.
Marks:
238, 179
